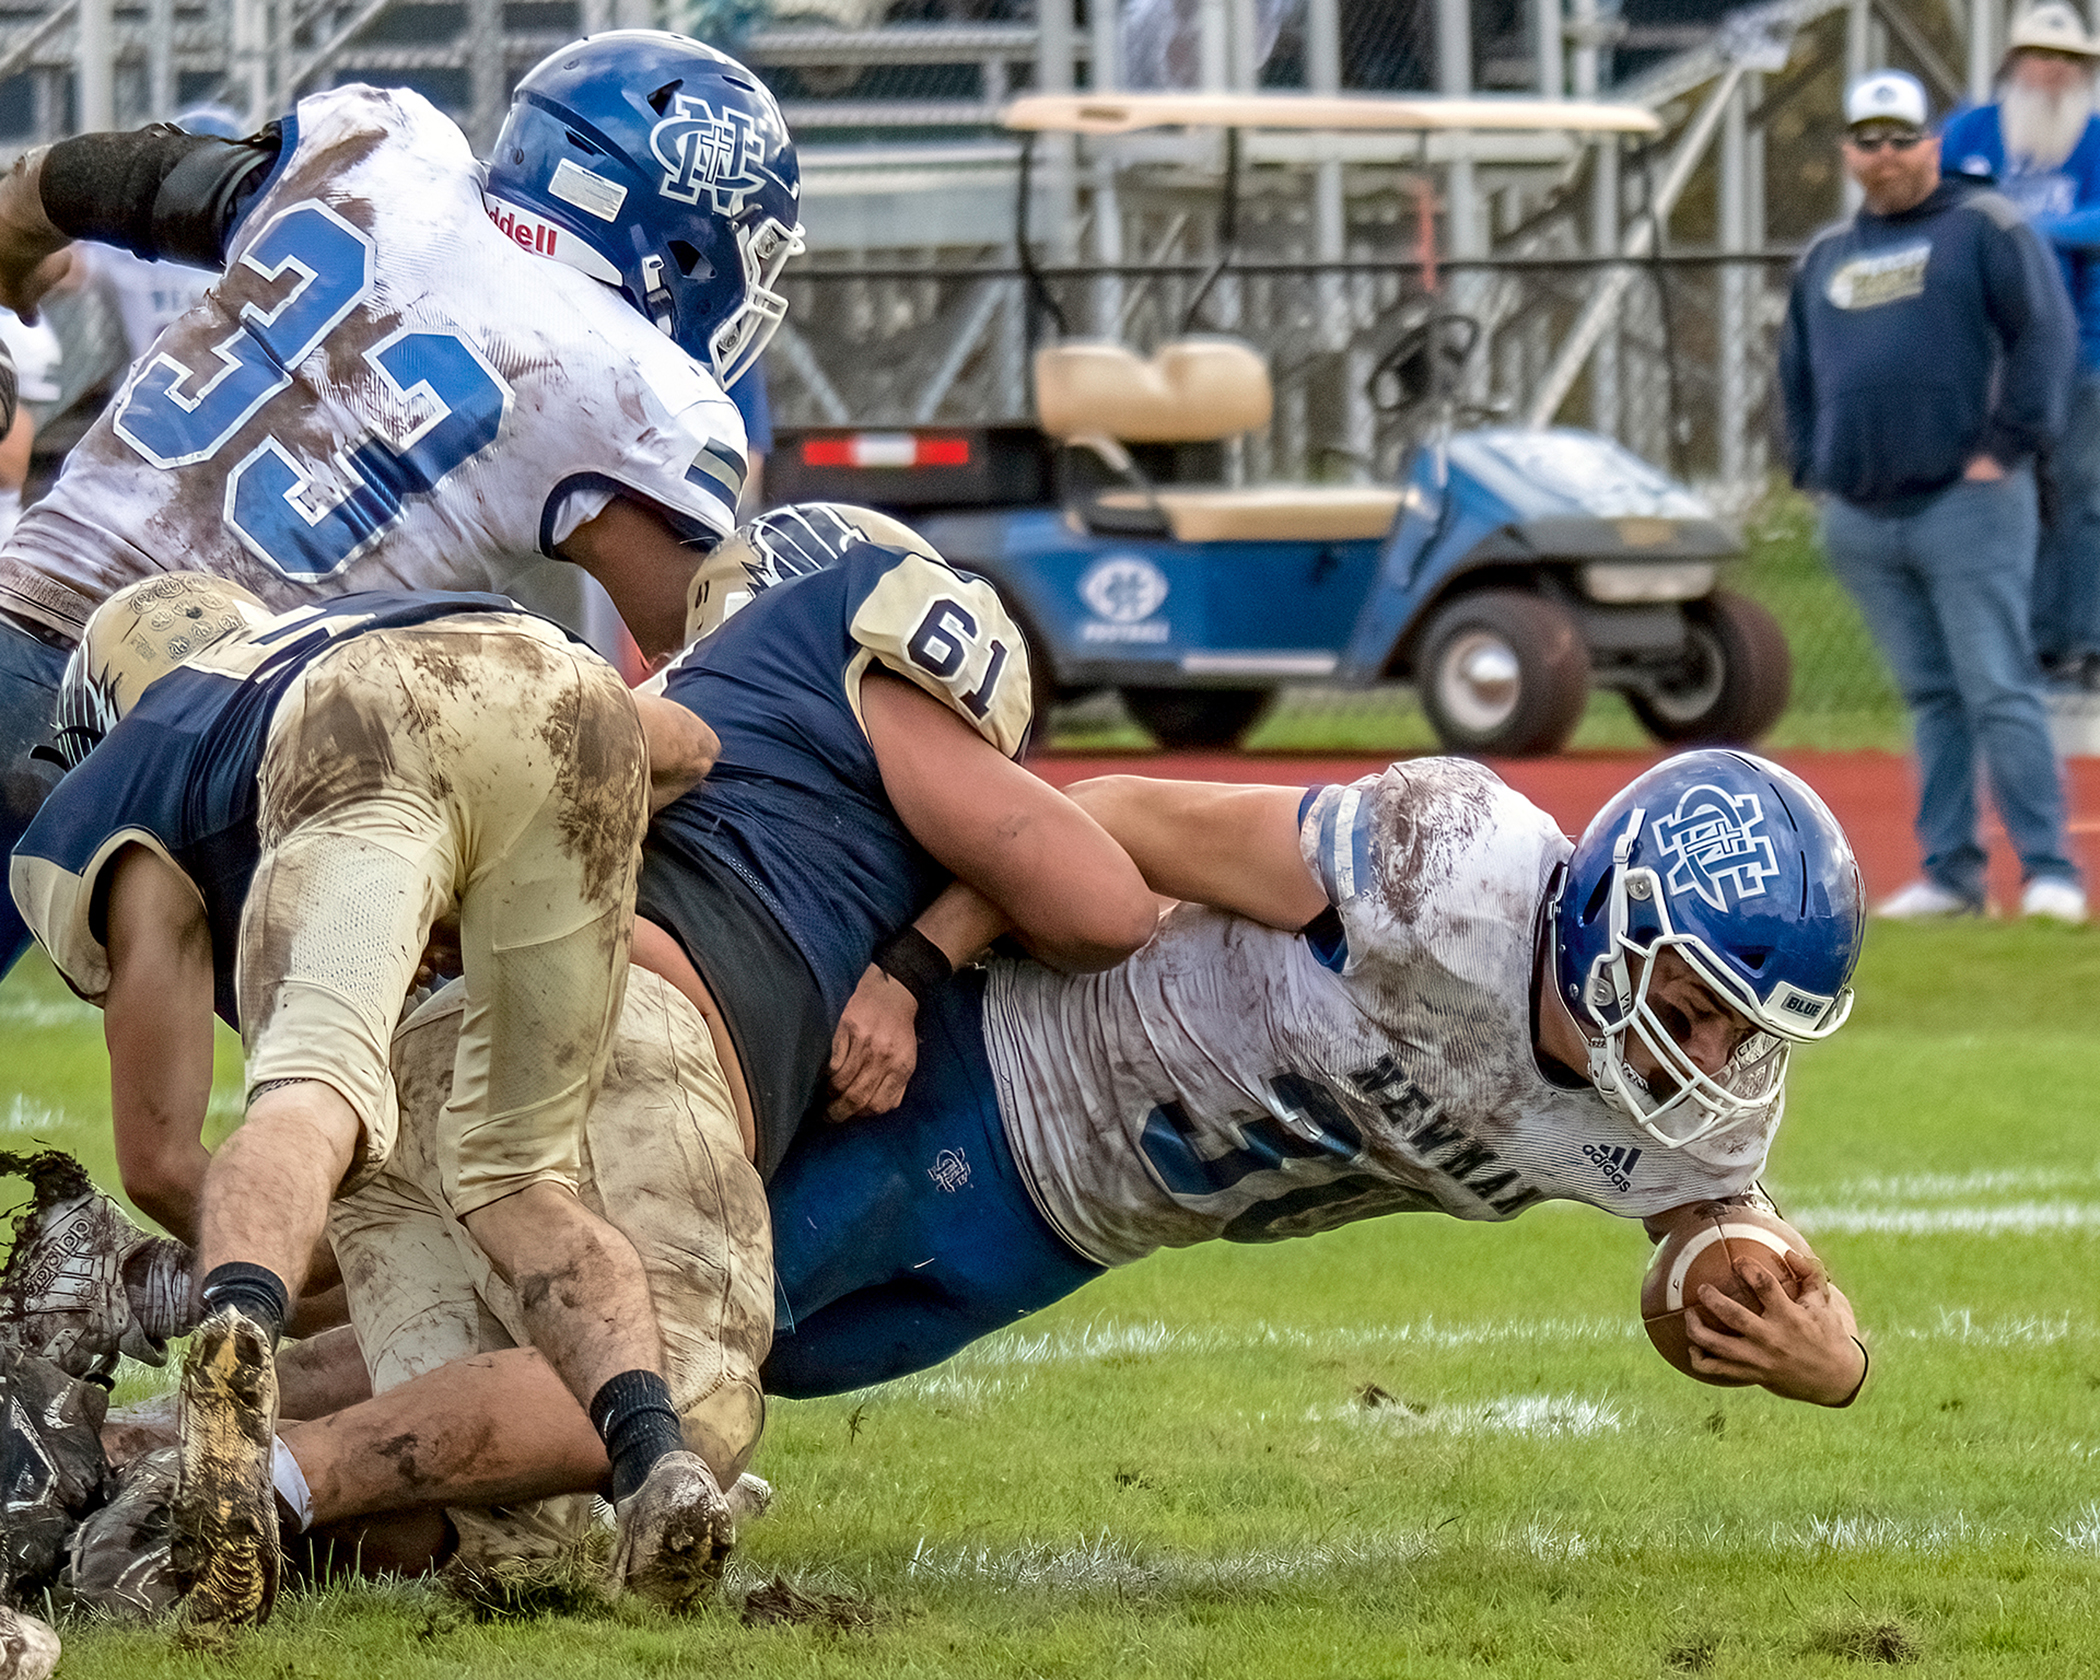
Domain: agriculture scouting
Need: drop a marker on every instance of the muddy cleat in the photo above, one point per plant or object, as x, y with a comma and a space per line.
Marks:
67, 1291
52, 1471
225, 1515
674, 1534
121, 1561
28, 1648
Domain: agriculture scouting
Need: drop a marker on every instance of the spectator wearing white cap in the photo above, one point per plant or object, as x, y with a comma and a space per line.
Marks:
1926, 361
2040, 143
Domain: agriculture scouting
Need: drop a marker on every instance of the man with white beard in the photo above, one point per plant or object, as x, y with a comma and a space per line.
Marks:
2042, 145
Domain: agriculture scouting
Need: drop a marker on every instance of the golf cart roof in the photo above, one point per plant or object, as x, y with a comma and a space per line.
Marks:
1122, 113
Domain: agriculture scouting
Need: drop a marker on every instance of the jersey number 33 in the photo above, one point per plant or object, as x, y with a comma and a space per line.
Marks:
451, 403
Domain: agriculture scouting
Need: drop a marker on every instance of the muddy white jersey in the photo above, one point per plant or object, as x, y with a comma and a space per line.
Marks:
1235, 1081
386, 390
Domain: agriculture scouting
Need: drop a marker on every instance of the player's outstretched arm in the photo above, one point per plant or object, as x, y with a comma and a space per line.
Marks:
156, 192
1219, 843
1068, 888
1807, 1349
157, 1019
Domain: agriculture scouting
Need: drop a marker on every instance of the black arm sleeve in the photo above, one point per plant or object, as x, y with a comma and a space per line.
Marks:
157, 192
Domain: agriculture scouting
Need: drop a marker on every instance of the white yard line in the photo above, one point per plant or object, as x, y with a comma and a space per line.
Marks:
1948, 1187
1093, 1343
1107, 1562
33, 1119
2023, 1219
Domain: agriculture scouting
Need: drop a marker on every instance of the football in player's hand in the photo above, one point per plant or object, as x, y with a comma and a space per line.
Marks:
1704, 1248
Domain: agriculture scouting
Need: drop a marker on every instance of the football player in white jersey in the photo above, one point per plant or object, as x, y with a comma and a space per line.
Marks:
418, 371
1405, 993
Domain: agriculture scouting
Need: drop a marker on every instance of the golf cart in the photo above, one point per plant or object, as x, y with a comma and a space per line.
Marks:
1508, 571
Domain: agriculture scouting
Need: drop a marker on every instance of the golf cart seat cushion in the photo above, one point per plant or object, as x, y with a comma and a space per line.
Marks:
1190, 390
1275, 513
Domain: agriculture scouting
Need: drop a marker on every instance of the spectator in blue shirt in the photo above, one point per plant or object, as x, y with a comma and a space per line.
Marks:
2040, 143
1926, 361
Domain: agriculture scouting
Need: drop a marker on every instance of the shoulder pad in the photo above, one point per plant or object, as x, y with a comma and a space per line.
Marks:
948, 632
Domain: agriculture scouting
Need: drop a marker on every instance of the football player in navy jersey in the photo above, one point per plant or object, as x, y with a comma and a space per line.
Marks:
866, 712
417, 371
265, 815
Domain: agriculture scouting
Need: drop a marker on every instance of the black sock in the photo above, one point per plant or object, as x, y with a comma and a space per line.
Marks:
635, 1419
258, 1292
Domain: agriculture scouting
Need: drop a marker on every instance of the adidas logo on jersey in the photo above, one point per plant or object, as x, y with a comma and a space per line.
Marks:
1615, 1164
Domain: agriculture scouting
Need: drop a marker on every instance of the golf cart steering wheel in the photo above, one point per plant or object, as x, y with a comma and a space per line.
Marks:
1421, 372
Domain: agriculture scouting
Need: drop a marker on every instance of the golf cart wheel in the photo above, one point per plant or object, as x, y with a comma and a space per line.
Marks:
1733, 682
1196, 717
1503, 674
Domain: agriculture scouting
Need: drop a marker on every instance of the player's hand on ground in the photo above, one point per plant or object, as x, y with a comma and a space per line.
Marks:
1802, 1349
875, 1049
33, 254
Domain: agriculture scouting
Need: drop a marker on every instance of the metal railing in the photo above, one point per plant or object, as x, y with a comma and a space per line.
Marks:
902, 346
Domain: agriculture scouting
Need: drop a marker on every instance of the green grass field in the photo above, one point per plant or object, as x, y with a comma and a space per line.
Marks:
1418, 1447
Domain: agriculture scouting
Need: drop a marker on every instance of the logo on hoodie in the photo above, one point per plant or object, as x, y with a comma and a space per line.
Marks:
1887, 277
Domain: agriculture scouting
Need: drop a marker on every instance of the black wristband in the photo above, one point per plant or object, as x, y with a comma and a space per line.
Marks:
158, 193
915, 962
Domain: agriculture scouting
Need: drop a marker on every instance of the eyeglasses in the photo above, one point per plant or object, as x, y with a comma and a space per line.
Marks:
1874, 142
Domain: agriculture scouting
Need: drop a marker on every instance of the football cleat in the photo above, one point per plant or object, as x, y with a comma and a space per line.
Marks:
224, 1542
673, 1534
63, 1294
52, 1472
121, 1560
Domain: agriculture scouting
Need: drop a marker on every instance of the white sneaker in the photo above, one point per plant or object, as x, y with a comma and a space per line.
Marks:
2054, 899
1922, 900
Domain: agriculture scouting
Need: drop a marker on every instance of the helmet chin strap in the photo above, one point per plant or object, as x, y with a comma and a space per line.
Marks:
656, 296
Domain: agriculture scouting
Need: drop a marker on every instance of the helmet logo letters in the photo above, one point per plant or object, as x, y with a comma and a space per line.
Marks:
1715, 841
703, 152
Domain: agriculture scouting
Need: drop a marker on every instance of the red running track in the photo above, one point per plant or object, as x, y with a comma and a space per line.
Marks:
1874, 795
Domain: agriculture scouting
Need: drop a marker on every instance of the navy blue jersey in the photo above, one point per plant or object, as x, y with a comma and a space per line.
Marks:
795, 806
179, 774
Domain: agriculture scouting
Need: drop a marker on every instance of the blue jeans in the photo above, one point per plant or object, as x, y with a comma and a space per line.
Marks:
29, 673
2067, 569
1946, 592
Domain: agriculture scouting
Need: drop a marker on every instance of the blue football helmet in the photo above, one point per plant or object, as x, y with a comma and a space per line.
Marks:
662, 167
1737, 866
214, 120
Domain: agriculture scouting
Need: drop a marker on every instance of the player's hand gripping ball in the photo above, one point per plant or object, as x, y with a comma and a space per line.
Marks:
1704, 1248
